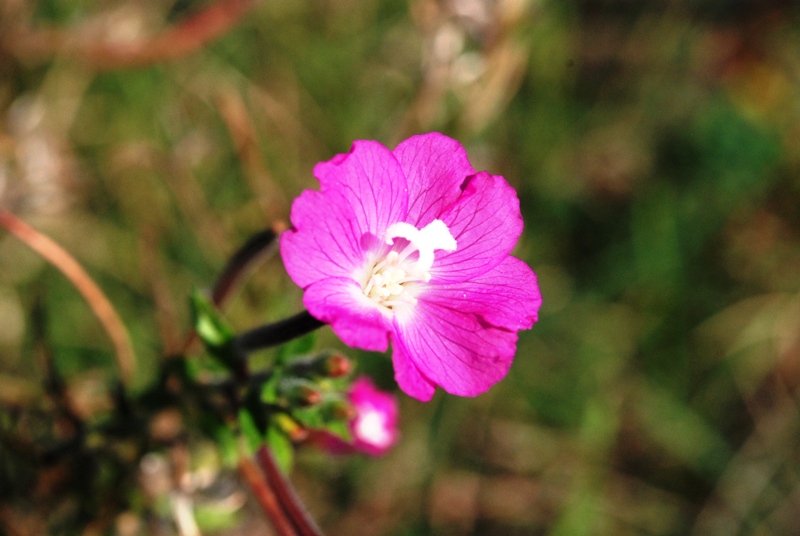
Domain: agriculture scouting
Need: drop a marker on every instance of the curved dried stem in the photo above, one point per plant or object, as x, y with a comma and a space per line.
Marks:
98, 302
175, 42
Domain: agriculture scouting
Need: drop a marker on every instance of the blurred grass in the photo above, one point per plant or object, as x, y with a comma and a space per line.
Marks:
654, 149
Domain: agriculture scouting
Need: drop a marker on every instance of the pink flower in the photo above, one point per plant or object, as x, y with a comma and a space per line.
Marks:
412, 246
374, 429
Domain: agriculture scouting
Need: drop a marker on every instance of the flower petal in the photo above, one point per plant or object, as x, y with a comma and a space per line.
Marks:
325, 240
454, 349
408, 377
486, 223
506, 296
340, 302
435, 166
371, 180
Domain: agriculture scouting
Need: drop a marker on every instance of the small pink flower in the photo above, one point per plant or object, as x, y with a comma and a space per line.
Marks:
412, 246
374, 429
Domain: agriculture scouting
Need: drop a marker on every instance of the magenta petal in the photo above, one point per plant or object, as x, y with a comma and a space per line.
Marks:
408, 377
353, 317
324, 241
436, 167
455, 349
506, 296
486, 223
370, 178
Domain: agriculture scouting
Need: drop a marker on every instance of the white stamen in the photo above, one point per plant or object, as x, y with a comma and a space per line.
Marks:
388, 277
433, 236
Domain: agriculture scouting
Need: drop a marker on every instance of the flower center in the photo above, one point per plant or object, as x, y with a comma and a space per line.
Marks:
392, 276
370, 427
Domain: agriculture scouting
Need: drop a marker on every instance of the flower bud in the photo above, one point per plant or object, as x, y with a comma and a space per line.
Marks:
337, 366
291, 427
299, 392
339, 410
327, 364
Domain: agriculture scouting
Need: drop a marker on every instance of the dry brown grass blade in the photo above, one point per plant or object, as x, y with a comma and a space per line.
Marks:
175, 42
238, 120
101, 307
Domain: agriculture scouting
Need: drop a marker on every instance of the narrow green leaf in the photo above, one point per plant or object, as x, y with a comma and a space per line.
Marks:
269, 389
211, 327
226, 443
250, 431
282, 448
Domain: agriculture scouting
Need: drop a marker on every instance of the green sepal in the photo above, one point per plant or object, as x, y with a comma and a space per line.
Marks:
340, 429
281, 447
310, 417
323, 418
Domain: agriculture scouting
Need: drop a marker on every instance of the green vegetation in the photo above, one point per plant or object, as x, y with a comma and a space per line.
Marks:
654, 149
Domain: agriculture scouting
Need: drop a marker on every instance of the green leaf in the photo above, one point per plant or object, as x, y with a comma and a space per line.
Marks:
250, 431
269, 389
296, 347
215, 517
226, 443
281, 447
213, 330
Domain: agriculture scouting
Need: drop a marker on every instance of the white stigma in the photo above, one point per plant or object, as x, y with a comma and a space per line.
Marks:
387, 282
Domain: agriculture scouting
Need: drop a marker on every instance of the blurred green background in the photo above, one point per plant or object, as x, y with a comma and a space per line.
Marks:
654, 146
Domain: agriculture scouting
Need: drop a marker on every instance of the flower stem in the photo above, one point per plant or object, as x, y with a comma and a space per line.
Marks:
257, 246
265, 497
277, 333
286, 495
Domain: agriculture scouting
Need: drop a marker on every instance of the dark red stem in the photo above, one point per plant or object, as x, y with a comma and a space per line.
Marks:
286, 495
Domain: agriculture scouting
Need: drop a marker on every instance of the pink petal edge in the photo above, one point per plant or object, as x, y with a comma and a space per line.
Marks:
408, 376
435, 167
324, 241
453, 349
371, 180
486, 223
507, 296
